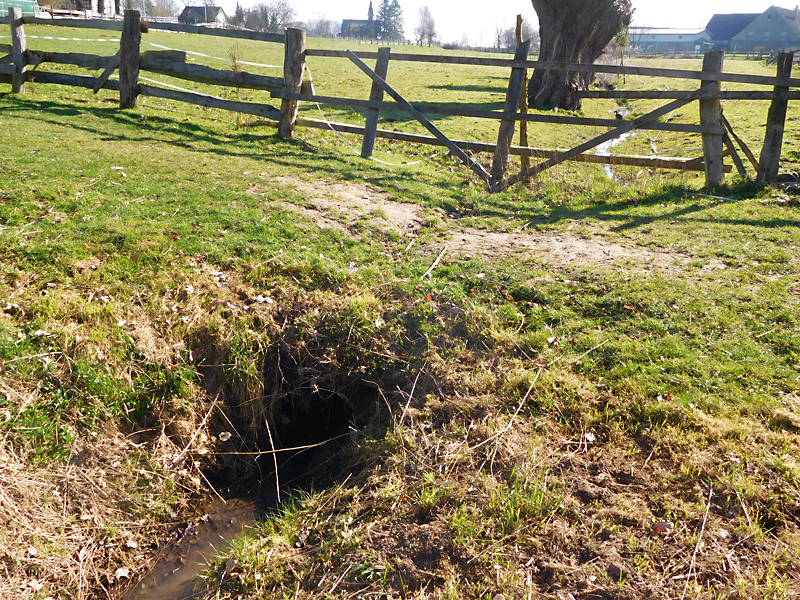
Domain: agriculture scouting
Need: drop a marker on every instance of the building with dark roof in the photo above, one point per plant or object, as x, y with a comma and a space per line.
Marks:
212, 16
723, 27
360, 28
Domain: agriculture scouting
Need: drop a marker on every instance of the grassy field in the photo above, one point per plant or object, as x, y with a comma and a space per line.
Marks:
594, 393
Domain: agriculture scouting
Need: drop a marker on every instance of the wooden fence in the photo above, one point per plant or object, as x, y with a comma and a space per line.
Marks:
719, 139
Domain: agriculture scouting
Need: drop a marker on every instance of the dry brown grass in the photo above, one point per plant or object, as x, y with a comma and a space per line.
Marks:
87, 525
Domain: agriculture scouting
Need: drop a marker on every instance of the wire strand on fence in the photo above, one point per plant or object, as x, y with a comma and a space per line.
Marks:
240, 62
174, 87
372, 158
65, 39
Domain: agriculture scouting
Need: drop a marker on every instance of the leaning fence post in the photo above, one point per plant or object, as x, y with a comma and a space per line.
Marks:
770, 159
294, 61
506, 134
18, 46
710, 114
375, 95
129, 59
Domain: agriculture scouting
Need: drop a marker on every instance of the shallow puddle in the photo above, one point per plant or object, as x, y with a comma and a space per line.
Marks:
175, 573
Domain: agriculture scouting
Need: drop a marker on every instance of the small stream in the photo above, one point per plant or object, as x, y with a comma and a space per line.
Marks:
604, 149
174, 574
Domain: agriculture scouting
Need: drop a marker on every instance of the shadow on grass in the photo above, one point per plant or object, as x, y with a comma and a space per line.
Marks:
618, 213
147, 128
297, 154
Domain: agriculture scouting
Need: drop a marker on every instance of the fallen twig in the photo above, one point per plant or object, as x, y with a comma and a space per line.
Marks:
721, 198
411, 395
518, 229
196, 433
744, 508
516, 412
697, 545
588, 351
436, 262
274, 460
338, 581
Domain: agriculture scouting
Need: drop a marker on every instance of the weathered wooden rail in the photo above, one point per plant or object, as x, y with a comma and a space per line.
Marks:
130, 61
718, 136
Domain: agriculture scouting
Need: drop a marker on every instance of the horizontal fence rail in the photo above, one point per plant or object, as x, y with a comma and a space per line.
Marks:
247, 108
498, 115
576, 67
683, 164
22, 65
684, 94
108, 25
202, 74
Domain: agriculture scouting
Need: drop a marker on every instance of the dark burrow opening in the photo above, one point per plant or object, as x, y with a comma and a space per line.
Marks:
306, 421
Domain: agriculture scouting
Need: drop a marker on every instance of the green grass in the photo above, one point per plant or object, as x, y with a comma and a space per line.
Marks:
651, 384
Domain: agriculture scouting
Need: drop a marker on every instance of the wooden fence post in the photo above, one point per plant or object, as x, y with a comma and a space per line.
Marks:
375, 95
524, 161
129, 59
506, 134
294, 62
773, 141
711, 114
18, 45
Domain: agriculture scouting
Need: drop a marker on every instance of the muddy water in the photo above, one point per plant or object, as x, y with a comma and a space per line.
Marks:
175, 573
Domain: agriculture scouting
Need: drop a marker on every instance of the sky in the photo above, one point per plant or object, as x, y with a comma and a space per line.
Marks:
455, 18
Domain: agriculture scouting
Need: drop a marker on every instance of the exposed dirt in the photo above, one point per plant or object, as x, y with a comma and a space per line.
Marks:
332, 205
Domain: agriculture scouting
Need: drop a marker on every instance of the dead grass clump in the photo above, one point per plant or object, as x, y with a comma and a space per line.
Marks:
85, 526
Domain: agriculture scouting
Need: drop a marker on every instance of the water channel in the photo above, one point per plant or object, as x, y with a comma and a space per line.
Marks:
604, 149
174, 575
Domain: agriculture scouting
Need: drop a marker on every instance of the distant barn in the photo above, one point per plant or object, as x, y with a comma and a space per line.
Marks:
211, 16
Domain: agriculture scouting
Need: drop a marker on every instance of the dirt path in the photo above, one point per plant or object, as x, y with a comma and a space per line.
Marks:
328, 202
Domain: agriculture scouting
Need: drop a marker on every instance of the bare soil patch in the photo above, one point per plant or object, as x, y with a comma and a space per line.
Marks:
328, 202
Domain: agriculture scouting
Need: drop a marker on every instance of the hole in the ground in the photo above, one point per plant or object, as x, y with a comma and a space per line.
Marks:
309, 417
318, 427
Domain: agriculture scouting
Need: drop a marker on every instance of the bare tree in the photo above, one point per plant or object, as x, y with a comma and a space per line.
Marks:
162, 8
320, 26
425, 31
574, 31
272, 17
508, 36
498, 34
148, 8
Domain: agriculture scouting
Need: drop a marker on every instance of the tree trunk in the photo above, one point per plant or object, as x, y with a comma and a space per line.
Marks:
575, 31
